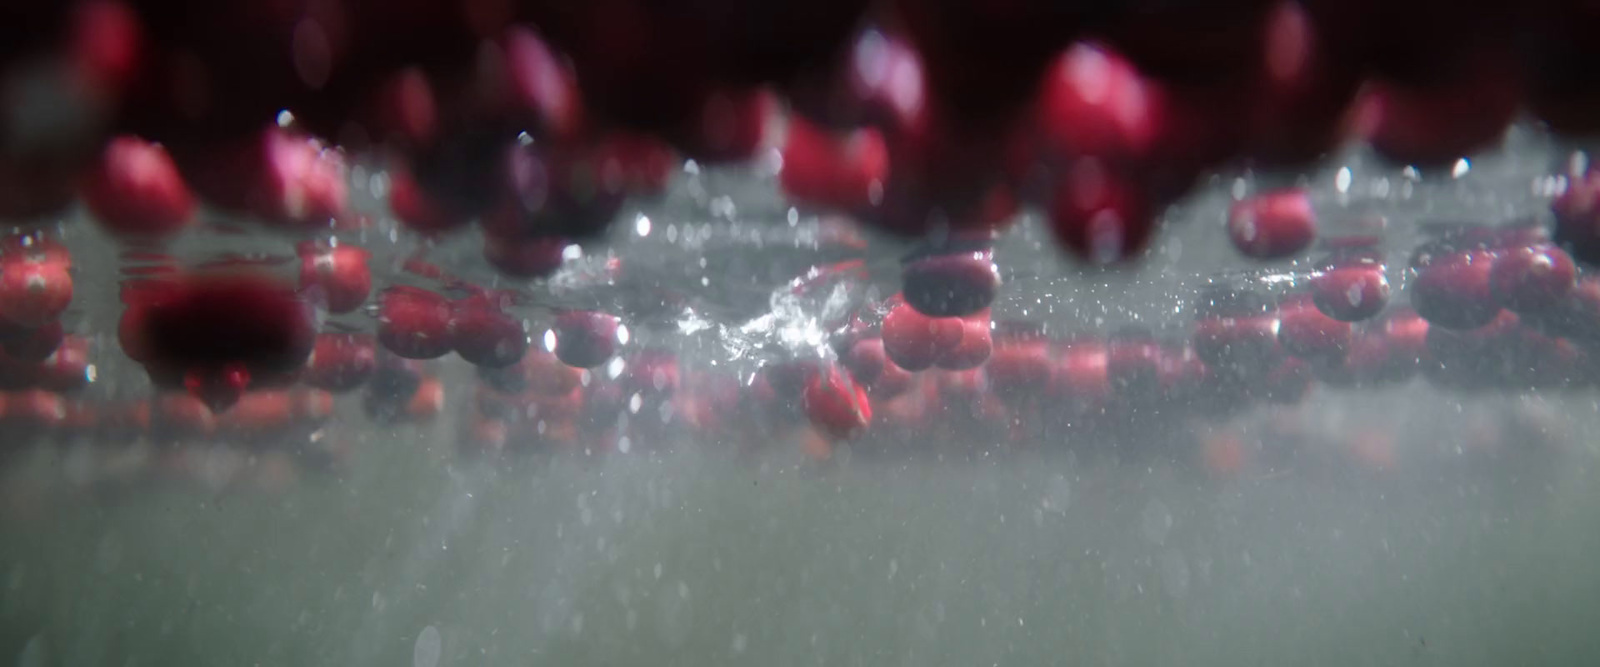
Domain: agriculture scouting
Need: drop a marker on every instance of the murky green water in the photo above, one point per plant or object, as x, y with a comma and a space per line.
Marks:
696, 558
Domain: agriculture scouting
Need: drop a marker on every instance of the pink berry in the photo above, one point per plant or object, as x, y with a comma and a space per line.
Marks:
135, 190
1273, 225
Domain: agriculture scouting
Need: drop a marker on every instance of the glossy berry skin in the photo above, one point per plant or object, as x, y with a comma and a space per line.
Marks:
1452, 290
1306, 332
1532, 278
136, 191
485, 335
1099, 215
340, 273
1351, 289
869, 364
1273, 225
836, 405
915, 341
975, 347
586, 338
33, 291
414, 323
954, 284
341, 362
839, 171
524, 258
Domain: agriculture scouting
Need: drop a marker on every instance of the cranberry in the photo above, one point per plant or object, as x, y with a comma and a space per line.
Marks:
340, 362
524, 258
975, 347
877, 81
1436, 123
1352, 288
414, 323
1273, 225
340, 272
485, 335
836, 405
282, 176
955, 284
915, 341
1302, 90
1093, 102
31, 413
586, 338
1452, 290
1305, 332
844, 171
428, 401
1532, 278
30, 344
259, 415
135, 190
1098, 215
33, 292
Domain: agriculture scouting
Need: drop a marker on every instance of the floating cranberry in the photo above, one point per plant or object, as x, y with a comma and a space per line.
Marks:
1451, 290
280, 175
1406, 333
1352, 289
135, 190
428, 401
1305, 332
340, 272
524, 258
485, 335
340, 362
1438, 122
539, 372
1532, 278
259, 415
836, 405
1098, 215
1093, 102
33, 292
954, 284
30, 344
915, 341
587, 338
975, 347
844, 172
414, 323
1273, 225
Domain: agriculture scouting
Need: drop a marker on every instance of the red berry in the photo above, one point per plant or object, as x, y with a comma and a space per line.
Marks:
1081, 376
524, 258
1273, 225
1019, 367
1098, 215
485, 335
177, 417
586, 338
414, 323
135, 190
836, 405
340, 272
32, 292
340, 362
839, 171
67, 369
31, 413
1305, 332
915, 341
416, 209
1093, 102
539, 372
955, 284
1351, 289
1532, 278
1451, 290
975, 347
